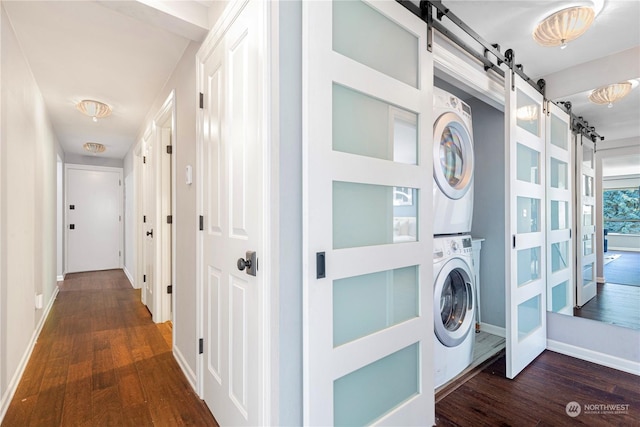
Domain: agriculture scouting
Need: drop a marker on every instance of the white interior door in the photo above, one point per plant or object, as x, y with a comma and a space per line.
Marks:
149, 203
586, 283
526, 329
94, 218
232, 202
559, 208
166, 255
367, 267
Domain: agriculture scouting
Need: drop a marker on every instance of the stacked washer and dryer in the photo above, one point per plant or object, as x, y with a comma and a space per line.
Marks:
453, 278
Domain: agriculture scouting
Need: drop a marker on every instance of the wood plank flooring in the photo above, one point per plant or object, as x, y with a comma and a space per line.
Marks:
615, 304
101, 361
540, 394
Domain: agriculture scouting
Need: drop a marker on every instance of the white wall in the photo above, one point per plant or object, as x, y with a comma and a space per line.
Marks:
183, 81
27, 211
129, 193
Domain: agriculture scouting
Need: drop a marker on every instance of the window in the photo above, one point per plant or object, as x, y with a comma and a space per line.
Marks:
621, 209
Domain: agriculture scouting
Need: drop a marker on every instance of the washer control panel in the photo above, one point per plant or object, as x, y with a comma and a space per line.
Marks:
447, 246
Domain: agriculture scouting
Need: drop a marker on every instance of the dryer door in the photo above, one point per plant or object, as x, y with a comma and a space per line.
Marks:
454, 300
452, 156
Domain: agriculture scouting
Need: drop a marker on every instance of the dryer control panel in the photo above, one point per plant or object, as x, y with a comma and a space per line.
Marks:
451, 245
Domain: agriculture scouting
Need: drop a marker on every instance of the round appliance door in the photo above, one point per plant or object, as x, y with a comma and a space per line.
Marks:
453, 302
452, 156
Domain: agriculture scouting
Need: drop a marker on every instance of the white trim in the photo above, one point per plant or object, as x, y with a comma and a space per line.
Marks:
629, 366
184, 365
130, 277
612, 248
600, 280
60, 278
13, 384
493, 329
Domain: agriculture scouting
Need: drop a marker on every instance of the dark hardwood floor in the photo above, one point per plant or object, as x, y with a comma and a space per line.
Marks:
540, 394
615, 304
101, 361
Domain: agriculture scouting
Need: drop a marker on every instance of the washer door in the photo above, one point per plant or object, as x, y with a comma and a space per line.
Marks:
454, 302
452, 156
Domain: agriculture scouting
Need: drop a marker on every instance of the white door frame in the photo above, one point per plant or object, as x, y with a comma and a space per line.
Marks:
68, 166
138, 226
269, 268
165, 234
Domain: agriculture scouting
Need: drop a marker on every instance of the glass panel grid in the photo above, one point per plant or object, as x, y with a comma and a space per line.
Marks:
559, 215
528, 268
559, 256
587, 274
559, 174
367, 215
560, 296
372, 302
559, 132
528, 113
528, 215
528, 169
529, 317
587, 244
361, 397
362, 33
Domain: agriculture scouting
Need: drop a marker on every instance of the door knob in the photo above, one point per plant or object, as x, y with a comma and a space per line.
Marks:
250, 263
150, 233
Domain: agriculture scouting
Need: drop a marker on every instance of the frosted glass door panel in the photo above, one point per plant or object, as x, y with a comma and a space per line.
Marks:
587, 157
587, 188
528, 215
369, 127
587, 274
587, 244
559, 174
587, 215
528, 265
559, 256
367, 394
365, 215
365, 35
529, 316
559, 132
560, 296
371, 302
559, 215
528, 164
528, 114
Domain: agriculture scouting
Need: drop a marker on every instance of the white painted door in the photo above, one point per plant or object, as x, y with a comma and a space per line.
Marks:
166, 253
367, 266
586, 283
94, 218
149, 209
232, 202
559, 208
526, 330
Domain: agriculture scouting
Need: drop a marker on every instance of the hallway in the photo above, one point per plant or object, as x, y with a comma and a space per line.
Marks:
101, 361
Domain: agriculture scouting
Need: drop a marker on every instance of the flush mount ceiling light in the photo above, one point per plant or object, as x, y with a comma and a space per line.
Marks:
610, 94
527, 113
94, 147
94, 109
563, 26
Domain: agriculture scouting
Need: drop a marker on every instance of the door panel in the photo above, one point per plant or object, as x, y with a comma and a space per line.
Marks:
586, 280
232, 202
526, 334
560, 266
94, 242
149, 205
367, 165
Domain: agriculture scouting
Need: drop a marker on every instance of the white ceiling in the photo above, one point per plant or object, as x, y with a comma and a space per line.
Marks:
122, 52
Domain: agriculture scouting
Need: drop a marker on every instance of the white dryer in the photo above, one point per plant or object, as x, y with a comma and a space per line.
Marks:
453, 164
454, 306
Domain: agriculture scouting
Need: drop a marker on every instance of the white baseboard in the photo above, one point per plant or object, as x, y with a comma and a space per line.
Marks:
493, 329
129, 276
600, 280
17, 376
612, 248
188, 372
629, 366
60, 278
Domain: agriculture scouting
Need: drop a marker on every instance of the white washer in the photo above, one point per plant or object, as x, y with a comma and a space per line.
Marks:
454, 306
453, 164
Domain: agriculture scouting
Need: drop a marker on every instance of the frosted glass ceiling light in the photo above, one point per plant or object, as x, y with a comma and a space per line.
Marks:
610, 94
563, 26
527, 113
94, 109
94, 147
